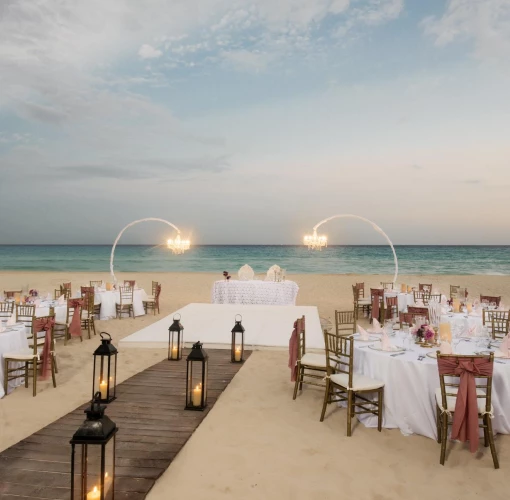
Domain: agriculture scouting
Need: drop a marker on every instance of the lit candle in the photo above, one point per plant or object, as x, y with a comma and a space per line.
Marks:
409, 289
103, 388
95, 494
403, 287
456, 305
174, 352
237, 354
469, 308
445, 332
197, 395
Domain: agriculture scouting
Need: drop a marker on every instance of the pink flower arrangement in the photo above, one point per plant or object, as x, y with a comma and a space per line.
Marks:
425, 332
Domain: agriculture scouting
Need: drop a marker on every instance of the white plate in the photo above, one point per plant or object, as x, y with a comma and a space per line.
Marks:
370, 339
497, 354
432, 355
394, 348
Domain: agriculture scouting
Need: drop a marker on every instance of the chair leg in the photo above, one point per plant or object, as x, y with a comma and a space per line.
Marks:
34, 373
66, 333
26, 376
88, 326
350, 402
55, 361
444, 437
491, 441
485, 433
438, 424
6, 374
326, 399
93, 319
297, 381
380, 402
53, 371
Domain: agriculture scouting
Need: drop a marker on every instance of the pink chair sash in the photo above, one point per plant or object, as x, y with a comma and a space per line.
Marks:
75, 326
376, 294
39, 325
465, 418
293, 350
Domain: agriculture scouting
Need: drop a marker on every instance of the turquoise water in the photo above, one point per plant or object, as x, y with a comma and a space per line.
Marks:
492, 260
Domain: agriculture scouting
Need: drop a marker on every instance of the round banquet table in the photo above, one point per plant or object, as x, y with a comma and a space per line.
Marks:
467, 321
107, 299
13, 339
410, 385
404, 299
273, 293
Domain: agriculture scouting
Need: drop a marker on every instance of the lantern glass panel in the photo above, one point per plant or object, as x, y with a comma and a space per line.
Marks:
105, 377
175, 344
197, 384
94, 471
237, 347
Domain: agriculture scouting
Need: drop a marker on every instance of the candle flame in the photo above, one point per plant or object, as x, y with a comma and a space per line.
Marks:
95, 489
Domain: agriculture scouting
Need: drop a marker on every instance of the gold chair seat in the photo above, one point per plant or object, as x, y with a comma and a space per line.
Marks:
22, 355
359, 382
315, 360
86, 315
124, 303
451, 401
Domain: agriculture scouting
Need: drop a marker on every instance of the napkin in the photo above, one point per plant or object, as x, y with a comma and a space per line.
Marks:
385, 342
61, 300
363, 334
12, 320
504, 347
376, 326
445, 348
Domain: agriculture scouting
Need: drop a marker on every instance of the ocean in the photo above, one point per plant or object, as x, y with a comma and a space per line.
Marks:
362, 259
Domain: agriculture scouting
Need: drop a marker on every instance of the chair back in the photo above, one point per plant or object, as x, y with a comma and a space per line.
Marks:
11, 294
487, 316
96, 283
422, 295
155, 285
377, 299
345, 322
387, 285
130, 283
419, 311
454, 291
158, 293
361, 290
406, 319
339, 354
25, 314
450, 381
65, 291
126, 295
488, 299
300, 330
6, 309
37, 332
424, 287
87, 294
71, 309
391, 307
434, 297
499, 324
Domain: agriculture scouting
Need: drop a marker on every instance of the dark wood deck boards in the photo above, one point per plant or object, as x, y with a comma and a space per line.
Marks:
153, 427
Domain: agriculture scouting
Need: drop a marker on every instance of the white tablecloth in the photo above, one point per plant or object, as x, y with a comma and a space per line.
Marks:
404, 299
108, 299
282, 293
460, 319
12, 340
409, 391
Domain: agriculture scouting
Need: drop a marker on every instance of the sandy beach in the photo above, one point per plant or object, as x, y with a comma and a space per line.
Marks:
285, 439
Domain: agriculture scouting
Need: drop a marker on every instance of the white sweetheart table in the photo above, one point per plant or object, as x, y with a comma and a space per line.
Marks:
272, 293
410, 385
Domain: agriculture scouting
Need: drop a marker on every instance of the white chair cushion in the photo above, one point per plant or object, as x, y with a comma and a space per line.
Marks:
21, 355
359, 382
364, 302
124, 303
451, 401
316, 360
86, 314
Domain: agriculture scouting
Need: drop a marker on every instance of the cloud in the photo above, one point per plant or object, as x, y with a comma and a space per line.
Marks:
248, 61
45, 114
149, 52
484, 22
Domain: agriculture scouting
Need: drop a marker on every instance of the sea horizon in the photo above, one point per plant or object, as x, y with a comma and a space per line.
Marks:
296, 259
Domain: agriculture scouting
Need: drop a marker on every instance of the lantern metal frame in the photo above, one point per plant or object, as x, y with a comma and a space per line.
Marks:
238, 329
175, 330
97, 430
197, 356
105, 351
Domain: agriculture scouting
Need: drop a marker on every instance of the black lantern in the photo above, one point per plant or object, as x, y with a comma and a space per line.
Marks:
175, 339
196, 378
93, 466
104, 377
237, 349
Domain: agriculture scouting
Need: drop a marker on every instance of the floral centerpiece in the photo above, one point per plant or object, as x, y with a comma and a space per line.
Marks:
32, 295
423, 333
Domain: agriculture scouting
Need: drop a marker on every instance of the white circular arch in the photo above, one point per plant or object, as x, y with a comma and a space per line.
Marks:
373, 224
128, 226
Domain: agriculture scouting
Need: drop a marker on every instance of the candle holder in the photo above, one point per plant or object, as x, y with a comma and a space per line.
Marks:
93, 467
175, 339
237, 346
104, 376
196, 378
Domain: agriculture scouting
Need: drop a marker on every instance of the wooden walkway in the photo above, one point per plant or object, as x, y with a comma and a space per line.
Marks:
153, 427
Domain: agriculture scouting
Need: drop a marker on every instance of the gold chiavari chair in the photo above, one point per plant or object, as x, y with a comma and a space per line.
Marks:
406, 319
424, 287
130, 283
433, 297
391, 308
25, 315
342, 384
66, 292
311, 367
72, 306
499, 324
488, 299
30, 357
377, 292
345, 322
11, 294
96, 283
154, 287
125, 301
87, 313
56, 293
6, 310
359, 300
488, 315
446, 400
152, 302
387, 285
419, 311
454, 291
421, 295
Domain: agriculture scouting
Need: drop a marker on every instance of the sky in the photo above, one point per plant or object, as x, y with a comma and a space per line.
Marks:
249, 121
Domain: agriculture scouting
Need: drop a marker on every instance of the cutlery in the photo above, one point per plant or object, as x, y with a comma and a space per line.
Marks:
498, 361
361, 347
421, 357
397, 354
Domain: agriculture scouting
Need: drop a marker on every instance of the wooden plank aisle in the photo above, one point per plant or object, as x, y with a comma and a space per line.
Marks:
153, 427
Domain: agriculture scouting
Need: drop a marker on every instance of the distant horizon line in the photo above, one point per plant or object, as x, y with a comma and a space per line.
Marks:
250, 245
